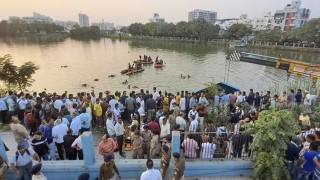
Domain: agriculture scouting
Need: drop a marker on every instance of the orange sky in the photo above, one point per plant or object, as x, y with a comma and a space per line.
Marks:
125, 12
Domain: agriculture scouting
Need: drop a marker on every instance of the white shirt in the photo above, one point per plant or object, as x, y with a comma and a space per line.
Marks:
110, 127
22, 159
161, 120
22, 103
3, 105
141, 110
171, 103
307, 100
193, 113
240, 99
11, 104
204, 101
208, 150
116, 113
58, 132
156, 95
164, 129
77, 142
142, 103
69, 104
75, 125
112, 104
182, 122
119, 129
151, 174
183, 104
57, 104
193, 126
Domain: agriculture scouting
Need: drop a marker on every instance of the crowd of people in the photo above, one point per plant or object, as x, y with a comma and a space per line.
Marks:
56, 123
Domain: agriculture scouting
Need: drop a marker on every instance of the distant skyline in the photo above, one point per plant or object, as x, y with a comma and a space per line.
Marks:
125, 12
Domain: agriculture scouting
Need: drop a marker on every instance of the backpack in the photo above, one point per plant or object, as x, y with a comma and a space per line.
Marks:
29, 117
17, 154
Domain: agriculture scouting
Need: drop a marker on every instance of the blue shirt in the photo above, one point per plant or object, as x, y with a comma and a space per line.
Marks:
85, 120
317, 171
309, 165
48, 134
225, 98
298, 97
3, 105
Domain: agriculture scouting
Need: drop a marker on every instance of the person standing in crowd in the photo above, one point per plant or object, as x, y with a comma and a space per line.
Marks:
37, 172
23, 103
137, 142
48, 134
154, 145
190, 147
68, 139
20, 133
97, 111
194, 113
164, 129
179, 166
203, 100
146, 136
119, 129
108, 169
29, 120
77, 144
40, 146
85, 120
257, 101
165, 162
3, 110
110, 126
150, 173
130, 104
11, 104
250, 98
306, 163
307, 101
58, 132
151, 106
208, 148
107, 146
182, 103
298, 97
21, 162
283, 101
75, 125
182, 122
194, 124
291, 99
153, 126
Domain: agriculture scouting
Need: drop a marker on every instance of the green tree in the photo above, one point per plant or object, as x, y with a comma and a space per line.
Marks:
272, 132
16, 77
274, 35
311, 31
238, 31
182, 29
137, 29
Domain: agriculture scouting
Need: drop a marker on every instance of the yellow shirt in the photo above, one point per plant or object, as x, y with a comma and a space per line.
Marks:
178, 100
117, 98
97, 109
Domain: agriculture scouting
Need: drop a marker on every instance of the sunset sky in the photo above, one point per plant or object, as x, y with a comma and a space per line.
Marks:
125, 12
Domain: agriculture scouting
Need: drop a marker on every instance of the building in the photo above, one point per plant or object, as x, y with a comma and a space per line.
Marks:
263, 23
67, 25
156, 19
292, 16
209, 16
104, 26
42, 18
83, 20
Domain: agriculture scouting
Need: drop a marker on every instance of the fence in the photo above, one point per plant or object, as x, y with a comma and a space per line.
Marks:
216, 145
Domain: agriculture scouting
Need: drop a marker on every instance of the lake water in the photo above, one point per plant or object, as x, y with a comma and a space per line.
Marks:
88, 60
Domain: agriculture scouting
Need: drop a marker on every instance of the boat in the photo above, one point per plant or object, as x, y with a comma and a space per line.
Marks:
134, 71
143, 62
158, 65
124, 71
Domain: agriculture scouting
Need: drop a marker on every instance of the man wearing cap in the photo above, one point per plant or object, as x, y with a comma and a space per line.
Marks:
108, 169
37, 173
146, 136
179, 166
150, 173
21, 162
165, 162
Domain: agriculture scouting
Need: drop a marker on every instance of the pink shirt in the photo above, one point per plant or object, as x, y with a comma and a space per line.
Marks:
190, 146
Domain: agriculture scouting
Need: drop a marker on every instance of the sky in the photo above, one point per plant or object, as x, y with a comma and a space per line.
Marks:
125, 12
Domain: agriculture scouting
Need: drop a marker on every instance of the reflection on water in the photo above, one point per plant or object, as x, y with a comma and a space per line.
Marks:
88, 60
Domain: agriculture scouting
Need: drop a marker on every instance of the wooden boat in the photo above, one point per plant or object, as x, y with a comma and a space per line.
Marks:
124, 71
134, 71
143, 62
158, 65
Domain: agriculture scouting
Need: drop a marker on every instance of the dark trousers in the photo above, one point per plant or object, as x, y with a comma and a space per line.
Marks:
21, 115
120, 143
80, 154
71, 153
60, 150
3, 116
33, 128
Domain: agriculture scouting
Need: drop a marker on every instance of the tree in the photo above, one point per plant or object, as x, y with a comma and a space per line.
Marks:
137, 29
311, 31
238, 31
16, 77
272, 132
274, 35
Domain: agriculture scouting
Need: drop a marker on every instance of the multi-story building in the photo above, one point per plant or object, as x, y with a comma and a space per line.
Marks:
104, 26
292, 16
42, 18
83, 20
209, 16
263, 23
157, 19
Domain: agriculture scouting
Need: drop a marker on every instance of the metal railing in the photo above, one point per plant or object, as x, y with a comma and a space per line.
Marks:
216, 145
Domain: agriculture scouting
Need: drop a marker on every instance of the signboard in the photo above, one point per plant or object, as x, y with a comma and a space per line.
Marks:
305, 71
